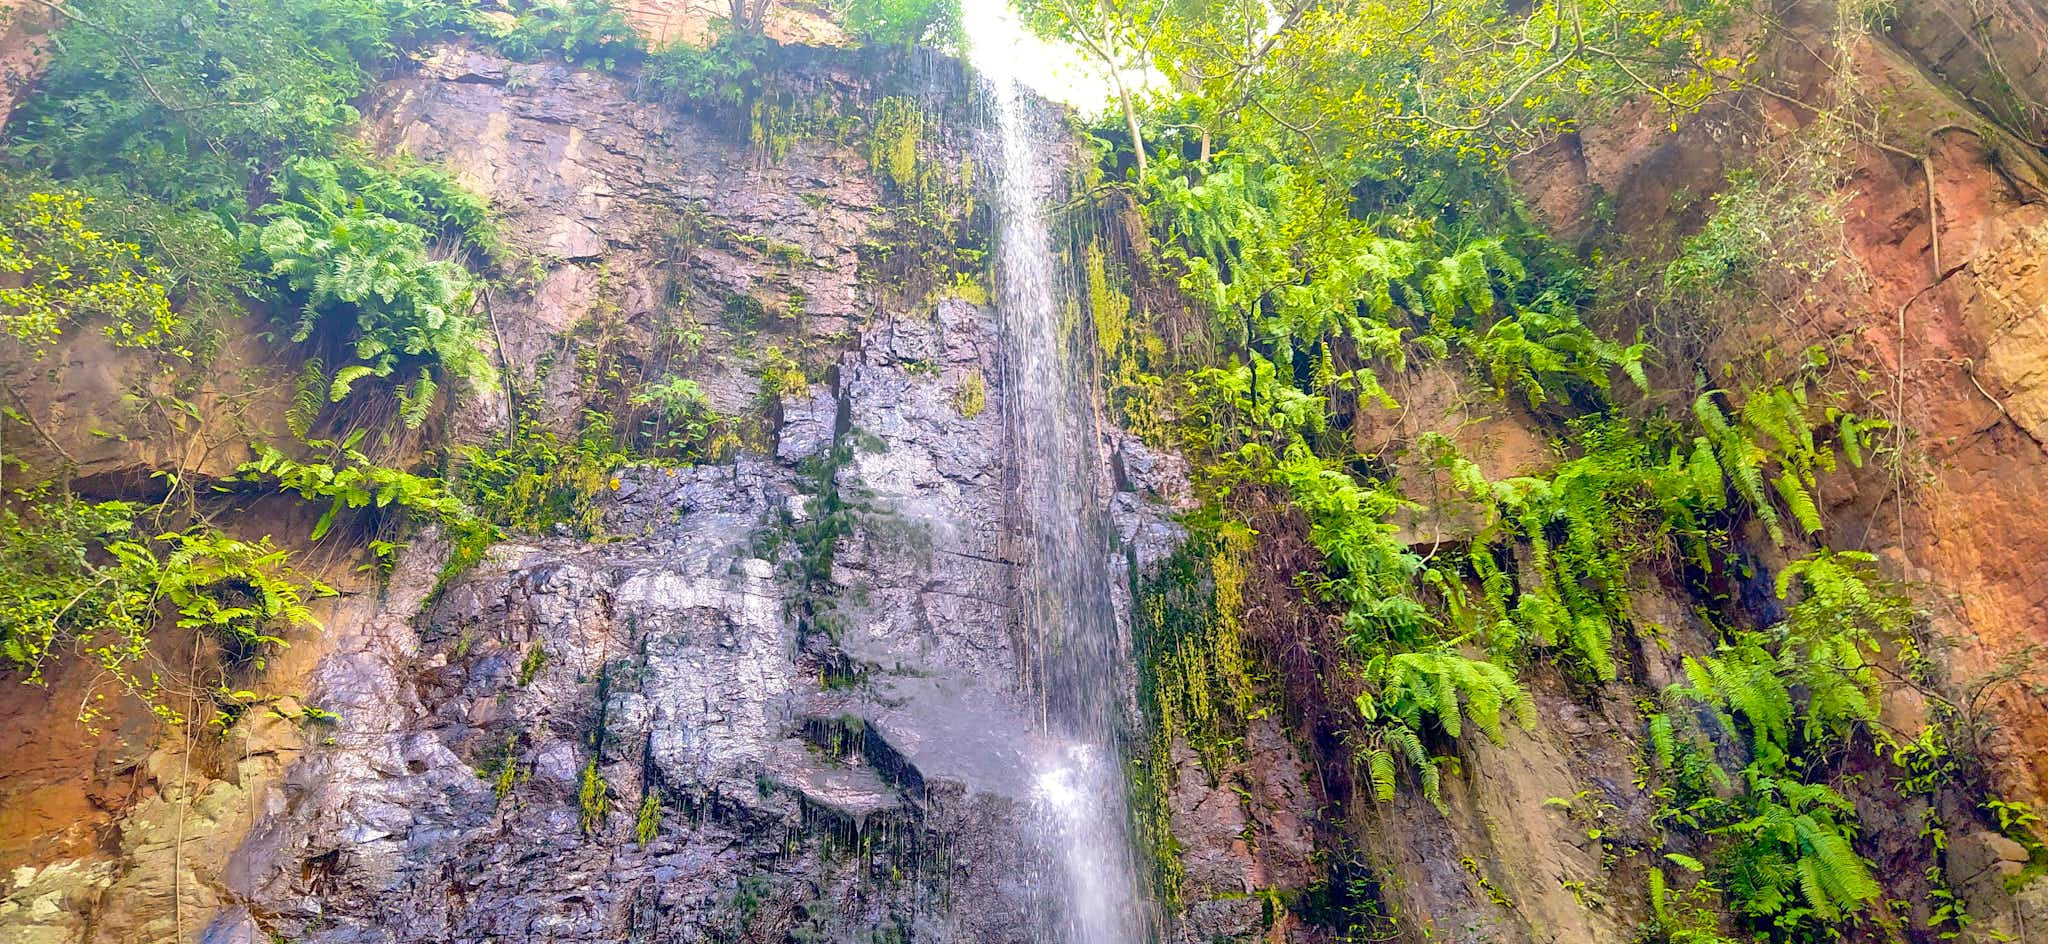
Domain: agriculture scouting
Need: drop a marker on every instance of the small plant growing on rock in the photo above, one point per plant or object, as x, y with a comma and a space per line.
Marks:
781, 375
971, 398
530, 666
684, 419
648, 822
593, 799
501, 768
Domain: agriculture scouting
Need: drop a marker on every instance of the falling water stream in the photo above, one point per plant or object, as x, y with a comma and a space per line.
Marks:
1081, 796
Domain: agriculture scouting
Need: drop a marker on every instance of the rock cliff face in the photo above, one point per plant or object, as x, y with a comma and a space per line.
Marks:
1941, 318
784, 696
783, 699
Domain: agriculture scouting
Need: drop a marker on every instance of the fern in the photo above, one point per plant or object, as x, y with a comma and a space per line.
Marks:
1739, 460
1587, 525
1743, 678
1798, 500
1703, 475
242, 590
1369, 570
1832, 633
414, 403
361, 274
1445, 687
345, 379
1796, 862
309, 398
1663, 747
1683, 915
1384, 745
350, 481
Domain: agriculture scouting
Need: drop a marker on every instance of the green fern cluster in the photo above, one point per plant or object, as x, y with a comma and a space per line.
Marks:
399, 188
1775, 429
1794, 864
1407, 694
1367, 569
243, 591
1795, 691
1439, 686
1412, 681
1287, 272
1687, 914
1584, 526
91, 578
1547, 340
349, 480
366, 277
582, 32
1576, 535
538, 479
1809, 680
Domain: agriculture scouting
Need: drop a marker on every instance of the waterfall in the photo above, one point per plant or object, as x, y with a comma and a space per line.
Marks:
1070, 621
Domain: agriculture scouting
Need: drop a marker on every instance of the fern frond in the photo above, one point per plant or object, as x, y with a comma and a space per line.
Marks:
1381, 764
415, 402
1799, 501
346, 378
308, 398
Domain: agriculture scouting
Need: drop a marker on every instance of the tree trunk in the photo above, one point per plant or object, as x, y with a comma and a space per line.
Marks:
1123, 95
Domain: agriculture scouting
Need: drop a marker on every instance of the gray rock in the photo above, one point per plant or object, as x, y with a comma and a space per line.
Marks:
778, 747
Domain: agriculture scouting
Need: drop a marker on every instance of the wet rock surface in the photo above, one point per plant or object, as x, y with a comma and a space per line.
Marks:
781, 697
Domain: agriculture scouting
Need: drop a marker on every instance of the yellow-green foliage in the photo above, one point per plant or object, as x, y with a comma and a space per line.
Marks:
536, 658
593, 799
1204, 688
780, 373
647, 823
893, 144
1195, 681
1130, 352
96, 579
503, 770
538, 480
1778, 428
969, 289
972, 396
62, 272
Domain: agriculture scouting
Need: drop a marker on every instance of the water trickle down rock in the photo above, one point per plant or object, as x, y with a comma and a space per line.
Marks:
827, 755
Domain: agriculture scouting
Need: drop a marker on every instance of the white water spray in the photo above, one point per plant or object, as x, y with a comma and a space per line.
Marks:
1080, 789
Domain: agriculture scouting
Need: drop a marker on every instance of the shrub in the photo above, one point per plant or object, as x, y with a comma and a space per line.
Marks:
70, 272
537, 481
83, 576
905, 23
368, 278
582, 32
724, 75
188, 100
684, 419
348, 480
